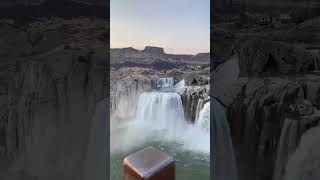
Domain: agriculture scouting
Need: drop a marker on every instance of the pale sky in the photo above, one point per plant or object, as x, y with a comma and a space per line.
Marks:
179, 26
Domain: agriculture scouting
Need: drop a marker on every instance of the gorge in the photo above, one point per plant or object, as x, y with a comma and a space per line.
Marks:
266, 74
159, 121
54, 89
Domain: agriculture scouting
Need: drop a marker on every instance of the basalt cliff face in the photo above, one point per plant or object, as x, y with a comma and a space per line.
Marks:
267, 77
272, 99
54, 100
136, 71
128, 83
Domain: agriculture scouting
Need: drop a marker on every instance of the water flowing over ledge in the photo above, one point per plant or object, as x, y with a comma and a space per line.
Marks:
223, 154
160, 121
160, 115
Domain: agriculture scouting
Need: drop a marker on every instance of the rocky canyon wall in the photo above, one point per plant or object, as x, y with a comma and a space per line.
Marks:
270, 104
54, 102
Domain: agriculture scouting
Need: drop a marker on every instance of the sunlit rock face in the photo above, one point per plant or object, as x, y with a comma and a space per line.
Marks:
50, 101
190, 100
126, 88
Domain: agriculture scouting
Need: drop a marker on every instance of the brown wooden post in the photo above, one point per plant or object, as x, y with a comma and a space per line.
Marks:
149, 164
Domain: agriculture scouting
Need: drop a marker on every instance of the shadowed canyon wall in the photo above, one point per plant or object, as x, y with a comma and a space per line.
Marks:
54, 99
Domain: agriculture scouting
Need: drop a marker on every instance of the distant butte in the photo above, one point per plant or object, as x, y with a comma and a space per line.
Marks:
154, 50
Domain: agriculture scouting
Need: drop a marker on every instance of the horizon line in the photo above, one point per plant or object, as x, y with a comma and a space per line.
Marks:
164, 49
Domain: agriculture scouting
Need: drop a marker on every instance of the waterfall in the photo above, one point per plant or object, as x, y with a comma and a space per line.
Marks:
199, 108
304, 163
160, 116
316, 59
316, 63
165, 82
287, 144
204, 116
180, 84
160, 111
224, 160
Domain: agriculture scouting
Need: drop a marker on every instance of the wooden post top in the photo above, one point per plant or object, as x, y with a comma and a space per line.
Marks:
149, 163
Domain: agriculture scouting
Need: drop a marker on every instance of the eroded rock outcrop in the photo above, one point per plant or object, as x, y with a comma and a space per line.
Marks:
190, 100
264, 114
126, 87
49, 101
257, 56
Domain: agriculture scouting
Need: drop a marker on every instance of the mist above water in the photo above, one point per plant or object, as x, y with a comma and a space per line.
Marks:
160, 117
204, 118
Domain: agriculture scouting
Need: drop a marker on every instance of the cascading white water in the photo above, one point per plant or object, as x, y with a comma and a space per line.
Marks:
316, 59
304, 163
199, 108
287, 144
159, 121
316, 63
165, 82
224, 160
180, 84
160, 111
204, 117
160, 115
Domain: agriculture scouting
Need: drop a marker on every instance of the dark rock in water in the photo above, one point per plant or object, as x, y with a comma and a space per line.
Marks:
257, 56
190, 99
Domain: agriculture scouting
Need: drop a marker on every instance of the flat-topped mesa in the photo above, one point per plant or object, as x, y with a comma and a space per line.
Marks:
128, 51
154, 50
